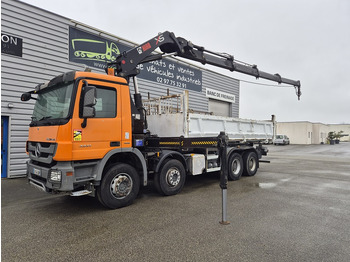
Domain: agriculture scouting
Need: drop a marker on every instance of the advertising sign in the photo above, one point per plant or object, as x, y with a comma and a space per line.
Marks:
172, 73
11, 45
92, 50
96, 51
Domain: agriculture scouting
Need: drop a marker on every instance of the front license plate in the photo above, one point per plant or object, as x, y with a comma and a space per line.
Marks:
36, 171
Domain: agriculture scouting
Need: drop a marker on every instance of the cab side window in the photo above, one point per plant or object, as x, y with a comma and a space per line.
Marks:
106, 102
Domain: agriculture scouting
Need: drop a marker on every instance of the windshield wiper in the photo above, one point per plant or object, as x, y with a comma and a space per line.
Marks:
45, 117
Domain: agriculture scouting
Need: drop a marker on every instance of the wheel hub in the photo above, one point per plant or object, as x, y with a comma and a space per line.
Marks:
121, 185
236, 166
173, 177
252, 164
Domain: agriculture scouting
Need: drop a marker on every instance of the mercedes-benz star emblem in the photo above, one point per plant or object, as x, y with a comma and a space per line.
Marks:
37, 151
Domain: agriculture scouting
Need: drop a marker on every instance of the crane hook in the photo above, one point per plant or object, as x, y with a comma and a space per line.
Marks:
297, 90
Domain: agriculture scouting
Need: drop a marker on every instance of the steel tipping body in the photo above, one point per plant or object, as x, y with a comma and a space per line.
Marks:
171, 116
126, 64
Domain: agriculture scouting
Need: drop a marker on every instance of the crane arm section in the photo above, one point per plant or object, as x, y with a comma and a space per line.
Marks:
126, 64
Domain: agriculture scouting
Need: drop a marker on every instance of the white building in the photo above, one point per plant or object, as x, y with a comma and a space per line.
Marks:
310, 133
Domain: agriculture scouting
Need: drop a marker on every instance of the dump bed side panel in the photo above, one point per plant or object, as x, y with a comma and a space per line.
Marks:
167, 125
237, 129
171, 117
200, 125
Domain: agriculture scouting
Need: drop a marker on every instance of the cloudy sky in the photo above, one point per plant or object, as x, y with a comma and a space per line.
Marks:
306, 40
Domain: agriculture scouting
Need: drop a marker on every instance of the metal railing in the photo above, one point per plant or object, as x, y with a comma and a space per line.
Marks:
164, 105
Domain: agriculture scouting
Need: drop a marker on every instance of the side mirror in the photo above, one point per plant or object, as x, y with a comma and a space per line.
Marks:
26, 97
89, 102
89, 96
88, 112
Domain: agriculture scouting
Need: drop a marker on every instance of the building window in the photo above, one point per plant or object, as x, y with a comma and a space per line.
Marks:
310, 134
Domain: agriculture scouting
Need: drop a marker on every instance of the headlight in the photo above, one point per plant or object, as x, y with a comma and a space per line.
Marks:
55, 176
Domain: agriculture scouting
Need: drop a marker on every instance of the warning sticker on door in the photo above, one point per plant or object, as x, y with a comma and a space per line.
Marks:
77, 133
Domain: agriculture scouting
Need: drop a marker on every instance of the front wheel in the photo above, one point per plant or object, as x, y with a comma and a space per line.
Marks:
119, 187
251, 163
171, 178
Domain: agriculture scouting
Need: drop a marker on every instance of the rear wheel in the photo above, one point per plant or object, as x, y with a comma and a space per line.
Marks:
235, 166
171, 178
119, 186
251, 163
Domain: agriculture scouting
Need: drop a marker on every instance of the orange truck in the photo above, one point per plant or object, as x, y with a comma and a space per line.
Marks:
89, 137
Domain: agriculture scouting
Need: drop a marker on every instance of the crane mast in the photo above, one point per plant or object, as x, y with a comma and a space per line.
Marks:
126, 63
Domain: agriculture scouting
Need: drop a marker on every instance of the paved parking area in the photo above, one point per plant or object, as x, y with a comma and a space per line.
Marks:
297, 208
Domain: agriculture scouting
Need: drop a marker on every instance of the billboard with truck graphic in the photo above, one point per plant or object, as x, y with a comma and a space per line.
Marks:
96, 51
92, 50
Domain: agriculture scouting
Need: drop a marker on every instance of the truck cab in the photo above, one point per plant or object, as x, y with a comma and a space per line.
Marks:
80, 120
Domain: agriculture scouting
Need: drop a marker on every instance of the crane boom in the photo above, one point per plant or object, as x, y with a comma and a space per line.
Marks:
126, 63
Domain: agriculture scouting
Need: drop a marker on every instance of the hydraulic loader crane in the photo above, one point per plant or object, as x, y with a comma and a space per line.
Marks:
126, 64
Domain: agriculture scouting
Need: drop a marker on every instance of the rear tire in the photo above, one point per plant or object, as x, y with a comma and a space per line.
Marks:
171, 178
251, 163
119, 186
235, 167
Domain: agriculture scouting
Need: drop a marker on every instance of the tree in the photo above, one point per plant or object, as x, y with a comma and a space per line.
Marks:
331, 137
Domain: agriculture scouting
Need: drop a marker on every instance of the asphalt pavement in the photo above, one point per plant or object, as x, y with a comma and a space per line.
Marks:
294, 209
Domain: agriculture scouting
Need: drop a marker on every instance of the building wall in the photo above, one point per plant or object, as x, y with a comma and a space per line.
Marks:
310, 133
45, 55
298, 132
320, 133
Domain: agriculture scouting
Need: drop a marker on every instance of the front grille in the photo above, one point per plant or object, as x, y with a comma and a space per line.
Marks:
41, 151
53, 163
38, 178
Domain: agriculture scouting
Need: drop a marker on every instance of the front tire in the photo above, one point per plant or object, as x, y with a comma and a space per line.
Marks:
171, 178
251, 163
235, 167
119, 187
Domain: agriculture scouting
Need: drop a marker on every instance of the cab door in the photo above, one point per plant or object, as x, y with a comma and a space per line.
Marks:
102, 132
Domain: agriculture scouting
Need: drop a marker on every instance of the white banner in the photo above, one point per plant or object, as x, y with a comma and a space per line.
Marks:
211, 93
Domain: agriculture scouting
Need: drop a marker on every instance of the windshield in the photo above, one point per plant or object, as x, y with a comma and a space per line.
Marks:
53, 102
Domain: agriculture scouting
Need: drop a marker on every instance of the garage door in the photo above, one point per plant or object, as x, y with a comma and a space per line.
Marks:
219, 108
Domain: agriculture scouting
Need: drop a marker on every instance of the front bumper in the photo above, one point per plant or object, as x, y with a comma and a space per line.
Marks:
39, 176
